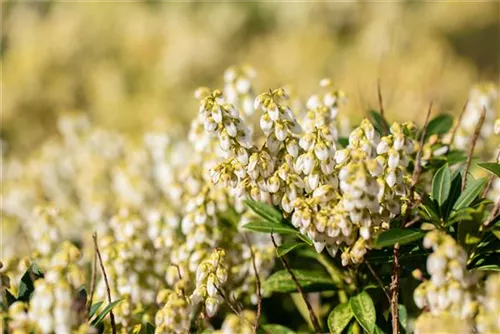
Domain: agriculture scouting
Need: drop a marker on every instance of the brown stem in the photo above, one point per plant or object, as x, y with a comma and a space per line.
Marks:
395, 291
92, 282
490, 180
477, 132
111, 315
258, 286
459, 121
312, 316
379, 281
413, 221
418, 166
493, 213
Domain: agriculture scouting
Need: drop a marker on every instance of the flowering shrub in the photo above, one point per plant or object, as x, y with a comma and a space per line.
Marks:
272, 217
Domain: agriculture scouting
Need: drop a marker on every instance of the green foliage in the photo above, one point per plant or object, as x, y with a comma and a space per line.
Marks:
441, 184
100, 317
364, 311
471, 191
398, 235
439, 125
269, 213
379, 122
26, 285
340, 317
309, 280
492, 167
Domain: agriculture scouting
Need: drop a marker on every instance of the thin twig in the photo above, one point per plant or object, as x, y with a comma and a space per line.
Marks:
418, 166
413, 221
477, 132
492, 177
92, 282
111, 315
258, 287
312, 316
395, 291
459, 121
493, 213
379, 281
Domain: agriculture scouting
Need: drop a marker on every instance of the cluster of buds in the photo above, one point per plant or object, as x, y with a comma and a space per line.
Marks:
238, 88
234, 324
175, 314
482, 98
52, 305
488, 320
210, 279
451, 289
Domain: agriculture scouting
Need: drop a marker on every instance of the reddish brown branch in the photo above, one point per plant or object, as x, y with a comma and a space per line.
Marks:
477, 132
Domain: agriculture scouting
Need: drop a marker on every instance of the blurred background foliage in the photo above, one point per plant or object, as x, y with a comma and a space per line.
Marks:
134, 66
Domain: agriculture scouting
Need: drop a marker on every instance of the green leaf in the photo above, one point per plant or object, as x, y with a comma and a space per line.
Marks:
403, 315
305, 238
460, 215
268, 227
339, 318
491, 167
104, 312
471, 191
456, 184
287, 247
343, 141
364, 311
26, 285
439, 125
150, 328
94, 308
379, 122
488, 267
309, 280
267, 212
441, 184
398, 235
276, 329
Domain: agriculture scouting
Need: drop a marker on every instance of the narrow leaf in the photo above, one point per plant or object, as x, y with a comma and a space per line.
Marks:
471, 191
441, 184
491, 167
268, 227
398, 235
339, 318
94, 308
267, 212
379, 122
364, 311
309, 280
288, 247
104, 312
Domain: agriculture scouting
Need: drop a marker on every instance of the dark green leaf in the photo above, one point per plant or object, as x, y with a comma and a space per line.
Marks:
364, 311
471, 191
26, 285
339, 318
309, 280
491, 167
455, 157
267, 212
100, 317
456, 184
94, 308
398, 235
343, 141
441, 184
268, 227
305, 238
150, 328
439, 125
287, 247
379, 122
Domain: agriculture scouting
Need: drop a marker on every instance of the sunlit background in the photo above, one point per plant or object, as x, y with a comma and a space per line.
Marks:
134, 66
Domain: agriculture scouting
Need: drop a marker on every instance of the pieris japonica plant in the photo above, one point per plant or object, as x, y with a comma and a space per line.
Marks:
274, 215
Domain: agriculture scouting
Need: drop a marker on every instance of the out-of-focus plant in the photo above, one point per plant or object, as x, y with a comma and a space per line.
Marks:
273, 216
134, 64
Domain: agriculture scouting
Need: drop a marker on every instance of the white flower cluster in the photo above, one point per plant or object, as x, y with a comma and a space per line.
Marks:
175, 314
51, 307
234, 324
238, 87
338, 198
488, 318
210, 278
483, 97
451, 289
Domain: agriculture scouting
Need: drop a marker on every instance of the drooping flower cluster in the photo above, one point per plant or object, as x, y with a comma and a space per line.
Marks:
234, 324
488, 318
210, 278
451, 288
175, 314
